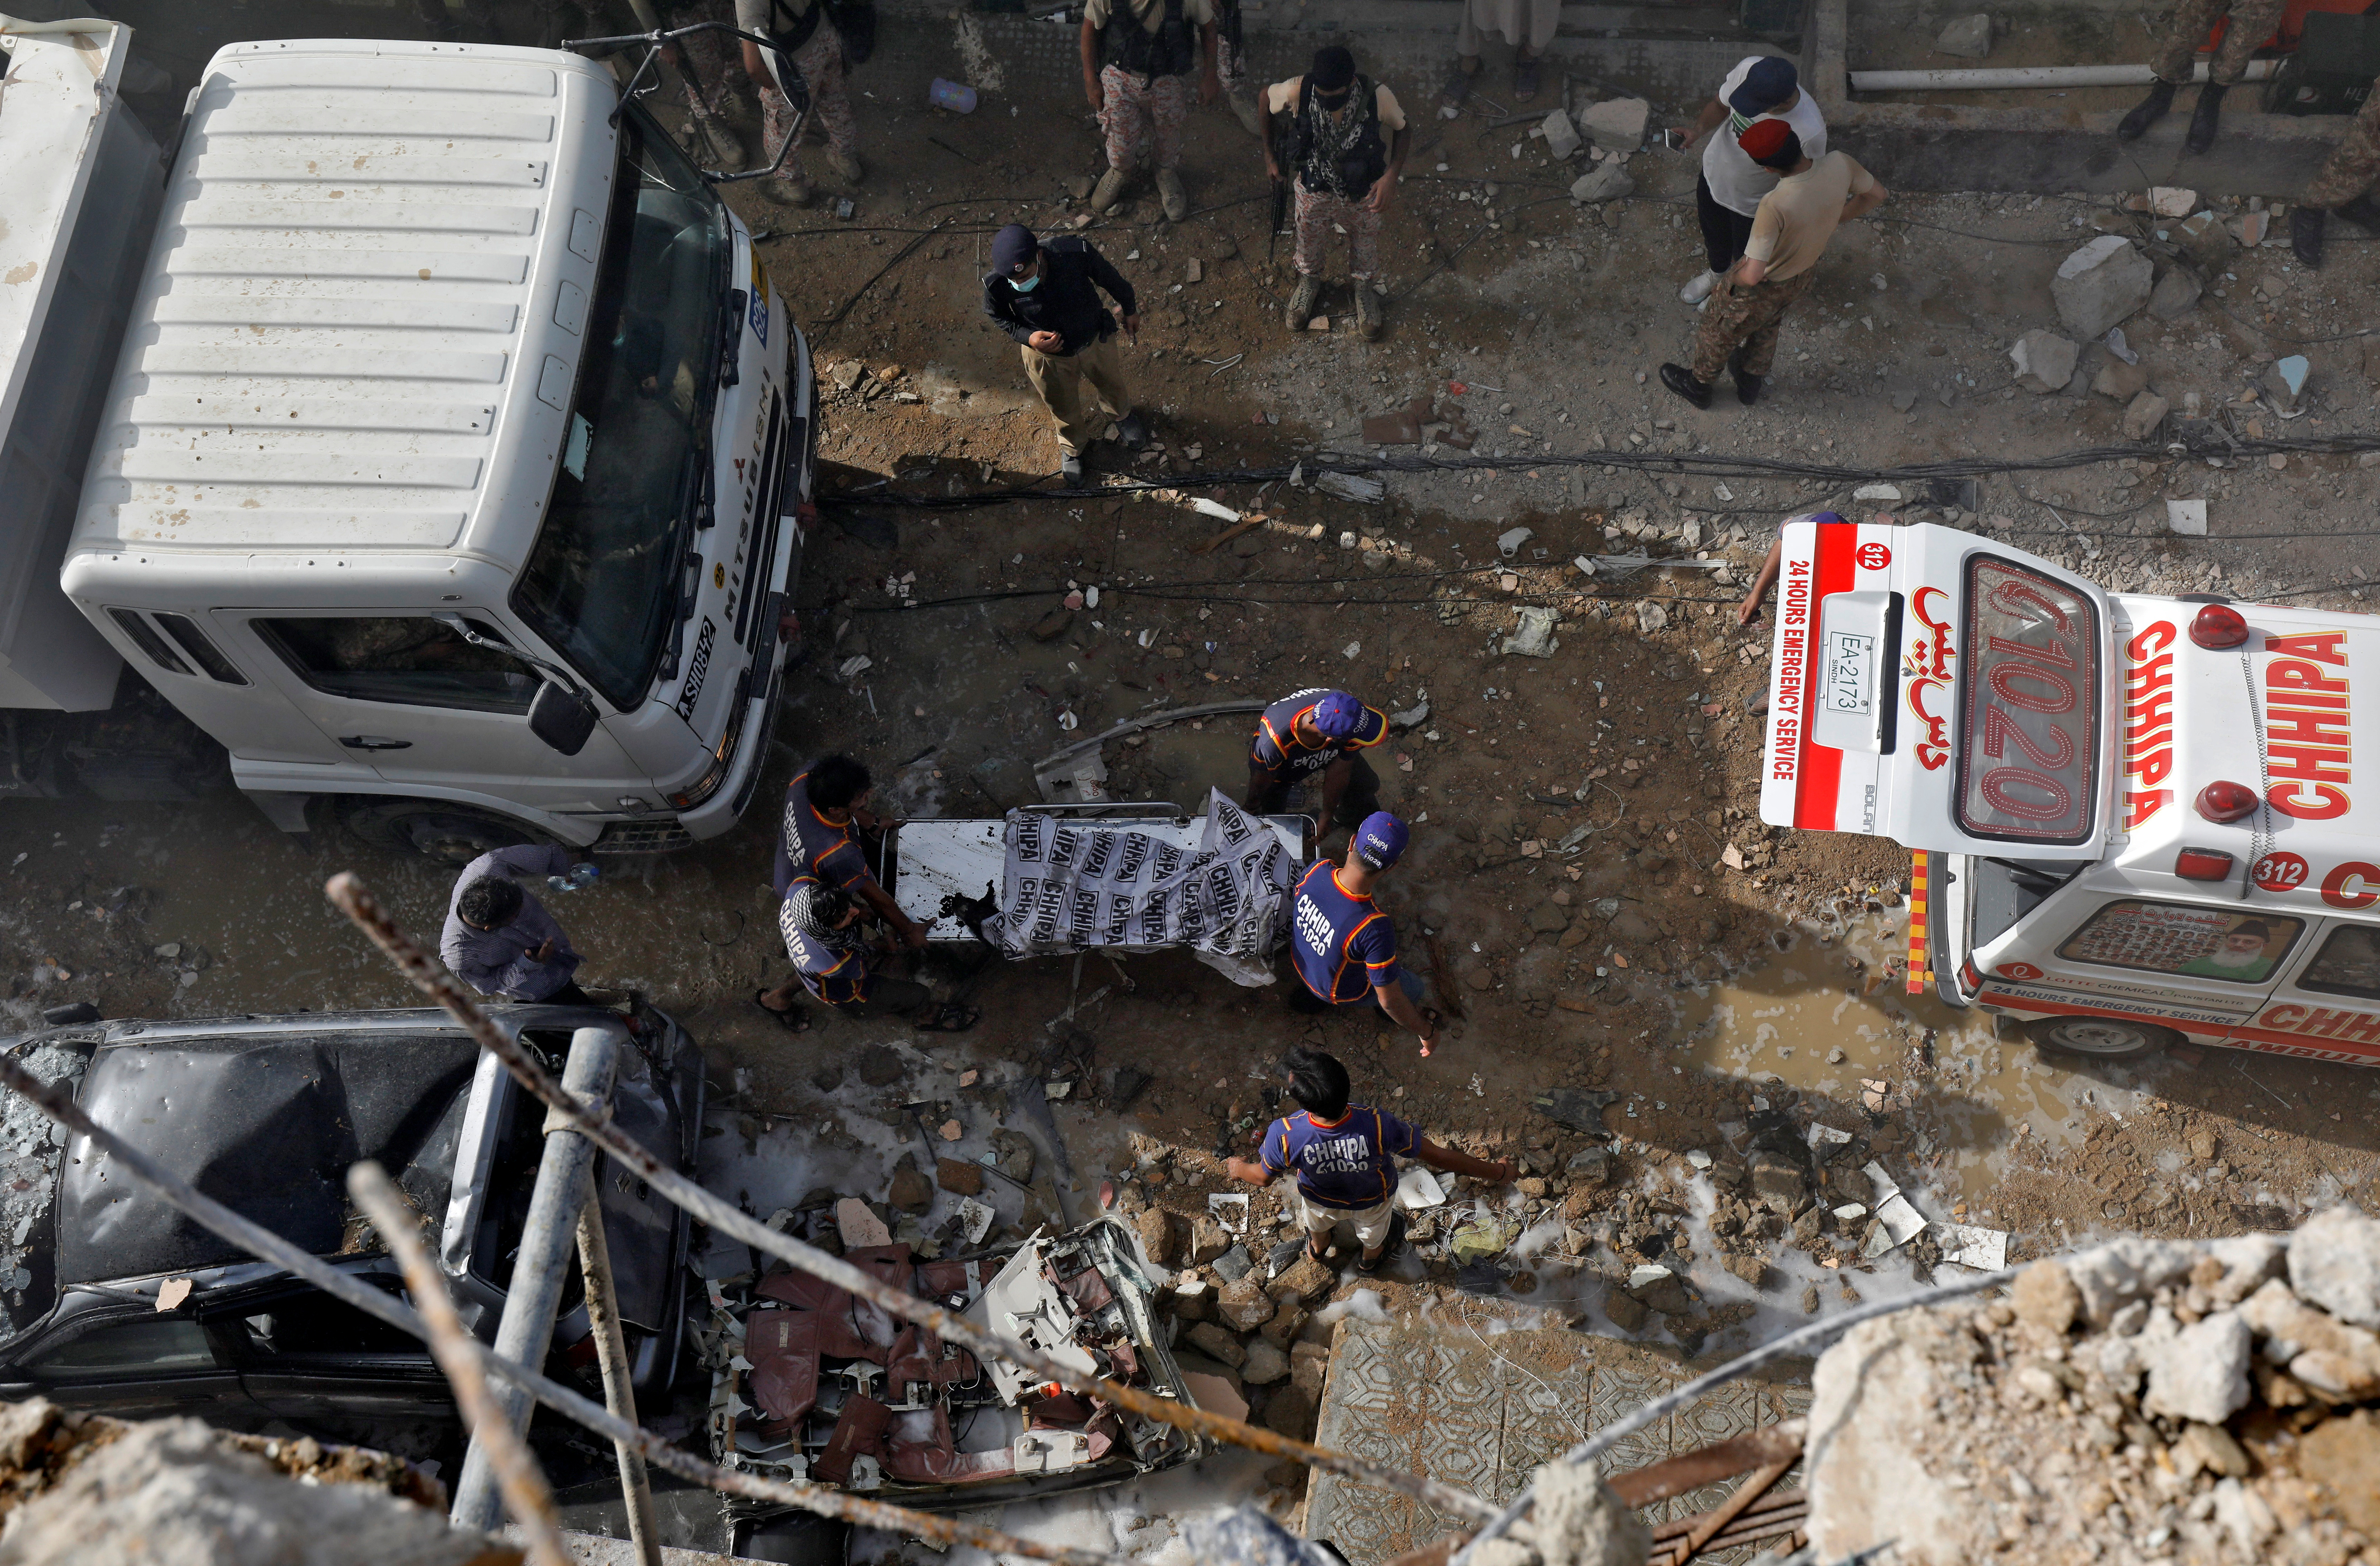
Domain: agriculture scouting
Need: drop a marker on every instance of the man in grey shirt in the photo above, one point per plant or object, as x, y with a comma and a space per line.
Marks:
500, 940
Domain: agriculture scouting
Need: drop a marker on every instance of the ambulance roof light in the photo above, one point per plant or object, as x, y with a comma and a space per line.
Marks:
2219, 626
2226, 801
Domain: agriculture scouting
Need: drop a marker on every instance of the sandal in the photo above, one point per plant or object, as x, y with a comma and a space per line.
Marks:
1525, 81
792, 1019
1457, 89
951, 1018
1389, 1248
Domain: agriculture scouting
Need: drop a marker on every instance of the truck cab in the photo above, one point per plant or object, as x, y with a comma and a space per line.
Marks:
456, 465
2136, 817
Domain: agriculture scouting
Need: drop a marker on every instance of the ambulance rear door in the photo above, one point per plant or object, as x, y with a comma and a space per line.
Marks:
1938, 689
2327, 1006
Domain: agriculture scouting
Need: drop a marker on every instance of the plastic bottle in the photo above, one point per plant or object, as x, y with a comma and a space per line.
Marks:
581, 876
955, 96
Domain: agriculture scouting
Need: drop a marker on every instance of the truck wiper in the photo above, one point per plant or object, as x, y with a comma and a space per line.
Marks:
731, 335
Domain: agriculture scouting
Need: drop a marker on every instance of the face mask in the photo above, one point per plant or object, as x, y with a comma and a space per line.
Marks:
1026, 285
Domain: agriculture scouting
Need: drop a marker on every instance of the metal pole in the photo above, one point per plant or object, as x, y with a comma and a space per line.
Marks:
542, 1264
526, 1491
619, 1391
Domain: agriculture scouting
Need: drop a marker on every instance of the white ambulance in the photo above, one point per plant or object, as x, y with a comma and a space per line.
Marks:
2137, 816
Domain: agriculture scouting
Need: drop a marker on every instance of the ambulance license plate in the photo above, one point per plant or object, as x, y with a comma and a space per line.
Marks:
1848, 673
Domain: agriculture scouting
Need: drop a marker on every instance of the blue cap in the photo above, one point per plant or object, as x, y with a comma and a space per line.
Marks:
1337, 715
1769, 82
1380, 841
1011, 248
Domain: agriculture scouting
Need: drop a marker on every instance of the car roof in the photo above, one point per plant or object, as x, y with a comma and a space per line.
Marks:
265, 1120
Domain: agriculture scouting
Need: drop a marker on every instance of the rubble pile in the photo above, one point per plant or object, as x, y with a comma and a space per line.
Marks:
83, 1486
2204, 1403
812, 1383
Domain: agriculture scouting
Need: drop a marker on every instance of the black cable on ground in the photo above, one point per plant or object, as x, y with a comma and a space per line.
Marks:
1703, 463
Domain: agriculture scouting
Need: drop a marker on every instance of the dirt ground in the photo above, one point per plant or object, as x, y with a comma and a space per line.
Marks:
1544, 324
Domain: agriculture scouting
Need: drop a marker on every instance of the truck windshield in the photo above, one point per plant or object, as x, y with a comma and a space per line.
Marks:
601, 585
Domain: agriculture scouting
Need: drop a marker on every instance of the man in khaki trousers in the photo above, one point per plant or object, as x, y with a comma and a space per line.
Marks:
1047, 297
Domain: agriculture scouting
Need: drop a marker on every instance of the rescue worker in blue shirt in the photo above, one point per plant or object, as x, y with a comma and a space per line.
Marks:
835, 960
1343, 948
1345, 1156
826, 810
1315, 733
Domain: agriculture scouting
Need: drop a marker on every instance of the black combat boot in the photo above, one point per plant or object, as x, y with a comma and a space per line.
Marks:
2306, 234
2203, 117
2150, 110
1681, 380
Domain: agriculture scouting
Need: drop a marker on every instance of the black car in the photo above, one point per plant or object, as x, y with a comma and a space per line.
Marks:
265, 1114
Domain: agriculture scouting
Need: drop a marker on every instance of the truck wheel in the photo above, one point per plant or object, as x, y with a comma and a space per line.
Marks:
2099, 1039
452, 834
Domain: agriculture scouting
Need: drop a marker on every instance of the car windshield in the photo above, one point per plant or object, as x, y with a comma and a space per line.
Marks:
601, 584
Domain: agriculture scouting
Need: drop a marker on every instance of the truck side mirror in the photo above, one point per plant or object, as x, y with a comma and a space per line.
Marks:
561, 718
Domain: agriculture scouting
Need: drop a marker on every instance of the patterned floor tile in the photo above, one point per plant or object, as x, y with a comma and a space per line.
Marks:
1484, 1410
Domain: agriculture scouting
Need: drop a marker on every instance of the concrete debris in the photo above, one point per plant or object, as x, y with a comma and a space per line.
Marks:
1535, 636
1878, 492
1604, 182
2334, 1264
1562, 137
2175, 295
2142, 416
1651, 616
2172, 200
2100, 284
1412, 717
1352, 487
2285, 379
2187, 517
1969, 38
2139, 1400
1579, 1522
1616, 125
2043, 360
860, 1228
174, 1493
2115, 344
2120, 381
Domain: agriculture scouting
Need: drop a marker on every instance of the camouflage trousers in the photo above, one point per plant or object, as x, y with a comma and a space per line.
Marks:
1318, 212
1135, 108
2253, 21
717, 57
819, 65
2354, 163
1745, 317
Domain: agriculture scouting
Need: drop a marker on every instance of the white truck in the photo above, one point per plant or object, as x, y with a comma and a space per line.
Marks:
2137, 816
455, 466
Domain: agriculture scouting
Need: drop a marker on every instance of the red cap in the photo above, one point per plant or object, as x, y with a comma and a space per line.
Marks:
1766, 138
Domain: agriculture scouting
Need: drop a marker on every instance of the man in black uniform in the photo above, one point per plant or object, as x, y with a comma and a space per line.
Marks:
1047, 297
1313, 734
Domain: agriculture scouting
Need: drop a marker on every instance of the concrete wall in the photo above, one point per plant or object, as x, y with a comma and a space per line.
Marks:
1651, 52
1974, 146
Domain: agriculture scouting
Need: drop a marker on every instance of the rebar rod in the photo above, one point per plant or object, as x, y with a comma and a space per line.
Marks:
354, 899
526, 1494
619, 1381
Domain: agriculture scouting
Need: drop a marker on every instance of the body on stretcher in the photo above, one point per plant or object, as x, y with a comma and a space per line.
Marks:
928, 865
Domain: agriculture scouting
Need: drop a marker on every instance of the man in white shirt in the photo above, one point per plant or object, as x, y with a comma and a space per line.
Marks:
1727, 196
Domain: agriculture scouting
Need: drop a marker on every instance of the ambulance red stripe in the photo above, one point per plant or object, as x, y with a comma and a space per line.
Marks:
1819, 768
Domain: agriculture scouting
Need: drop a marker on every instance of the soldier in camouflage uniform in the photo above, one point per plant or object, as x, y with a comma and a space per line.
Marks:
2252, 22
2344, 186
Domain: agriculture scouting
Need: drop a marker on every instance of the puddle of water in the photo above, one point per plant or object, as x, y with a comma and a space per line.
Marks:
1784, 1018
